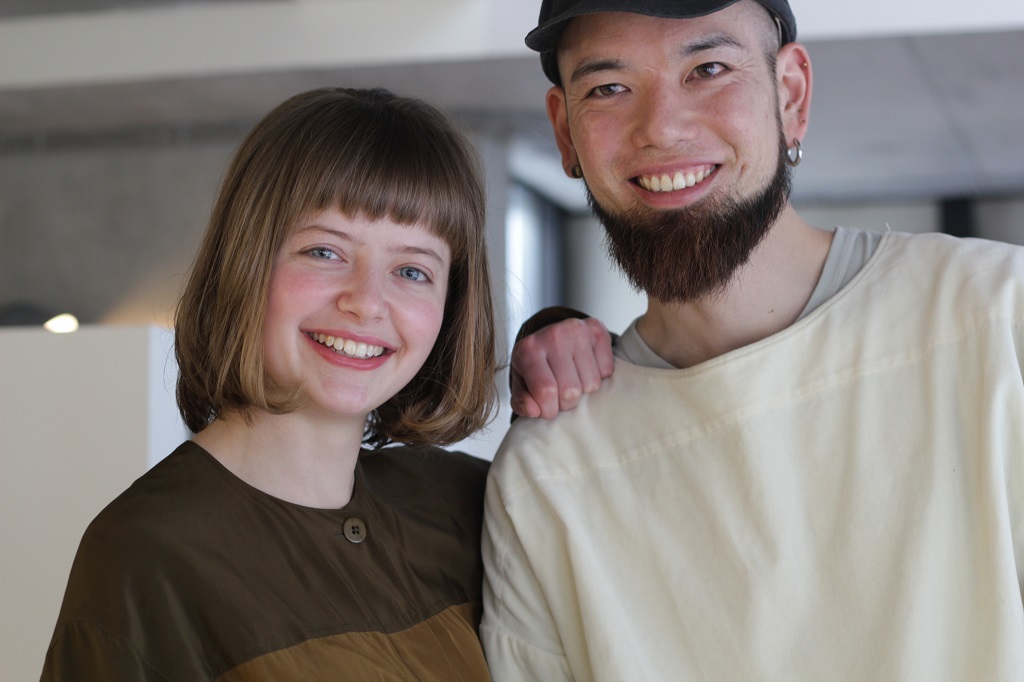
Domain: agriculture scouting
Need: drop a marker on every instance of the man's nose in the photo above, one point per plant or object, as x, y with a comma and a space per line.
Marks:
663, 119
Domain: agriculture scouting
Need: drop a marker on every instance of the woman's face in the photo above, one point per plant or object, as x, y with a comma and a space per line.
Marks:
353, 311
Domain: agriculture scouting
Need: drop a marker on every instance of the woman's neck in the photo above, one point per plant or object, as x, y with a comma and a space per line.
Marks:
292, 457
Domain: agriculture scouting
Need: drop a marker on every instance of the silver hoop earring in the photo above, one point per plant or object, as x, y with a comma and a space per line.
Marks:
794, 154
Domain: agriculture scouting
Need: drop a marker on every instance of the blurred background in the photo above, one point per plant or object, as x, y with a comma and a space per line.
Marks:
117, 118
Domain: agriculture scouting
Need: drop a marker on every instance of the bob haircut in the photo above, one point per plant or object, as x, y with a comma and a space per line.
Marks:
366, 153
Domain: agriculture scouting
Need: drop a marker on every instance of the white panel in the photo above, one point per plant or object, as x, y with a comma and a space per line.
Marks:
77, 421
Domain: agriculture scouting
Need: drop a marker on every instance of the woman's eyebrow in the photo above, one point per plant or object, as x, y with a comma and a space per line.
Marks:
403, 249
411, 250
314, 227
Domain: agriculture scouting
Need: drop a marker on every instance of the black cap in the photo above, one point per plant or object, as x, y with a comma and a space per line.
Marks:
555, 15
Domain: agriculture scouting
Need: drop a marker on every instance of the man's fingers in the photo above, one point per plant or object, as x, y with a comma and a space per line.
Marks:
533, 385
524, 405
601, 344
552, 368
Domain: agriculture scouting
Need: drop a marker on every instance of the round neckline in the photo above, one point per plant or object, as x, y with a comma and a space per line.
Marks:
355, 503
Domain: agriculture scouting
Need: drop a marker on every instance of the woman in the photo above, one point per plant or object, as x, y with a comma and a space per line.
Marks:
340, 297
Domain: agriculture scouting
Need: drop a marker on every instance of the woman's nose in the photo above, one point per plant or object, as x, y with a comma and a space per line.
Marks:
363, 297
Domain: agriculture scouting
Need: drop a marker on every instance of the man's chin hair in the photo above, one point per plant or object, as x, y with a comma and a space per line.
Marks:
692, 253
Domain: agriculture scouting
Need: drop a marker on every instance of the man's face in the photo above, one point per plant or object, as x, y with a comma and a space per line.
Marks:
647, 99
670, 116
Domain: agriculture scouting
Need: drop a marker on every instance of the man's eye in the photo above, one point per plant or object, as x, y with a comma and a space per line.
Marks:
608, 90
413, 274
709, 70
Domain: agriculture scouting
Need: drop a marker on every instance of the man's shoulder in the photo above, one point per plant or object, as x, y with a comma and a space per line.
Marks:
943, 265
580, 440
949, 248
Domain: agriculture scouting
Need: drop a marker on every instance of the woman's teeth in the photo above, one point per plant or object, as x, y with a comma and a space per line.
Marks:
349, 347
678, 180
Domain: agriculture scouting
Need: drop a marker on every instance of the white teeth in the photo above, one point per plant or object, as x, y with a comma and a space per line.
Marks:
679, 180
348, 346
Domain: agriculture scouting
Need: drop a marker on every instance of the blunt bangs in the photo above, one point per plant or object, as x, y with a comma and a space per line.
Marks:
380, 158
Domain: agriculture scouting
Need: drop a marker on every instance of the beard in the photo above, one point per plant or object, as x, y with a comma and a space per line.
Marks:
686, 254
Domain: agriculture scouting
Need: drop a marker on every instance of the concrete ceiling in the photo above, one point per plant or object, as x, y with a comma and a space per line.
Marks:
899, 117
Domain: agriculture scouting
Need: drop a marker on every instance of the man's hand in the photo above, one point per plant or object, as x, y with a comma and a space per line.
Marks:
553, 367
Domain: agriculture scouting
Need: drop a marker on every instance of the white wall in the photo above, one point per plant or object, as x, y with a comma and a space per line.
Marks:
82, 415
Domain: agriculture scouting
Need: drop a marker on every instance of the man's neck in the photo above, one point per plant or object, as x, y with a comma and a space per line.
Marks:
764, 297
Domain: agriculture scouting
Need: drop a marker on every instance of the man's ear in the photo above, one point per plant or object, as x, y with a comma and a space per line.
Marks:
559, 117
793, 70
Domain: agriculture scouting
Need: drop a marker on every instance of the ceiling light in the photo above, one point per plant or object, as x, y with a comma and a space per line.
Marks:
62, 324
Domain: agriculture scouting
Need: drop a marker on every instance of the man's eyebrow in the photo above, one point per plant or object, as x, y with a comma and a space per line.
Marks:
587, 68
703, 44
710, 43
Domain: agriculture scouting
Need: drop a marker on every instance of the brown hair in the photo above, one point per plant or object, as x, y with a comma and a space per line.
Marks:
361, 152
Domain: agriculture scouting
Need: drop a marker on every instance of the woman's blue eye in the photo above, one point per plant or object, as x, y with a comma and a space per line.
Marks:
414, 274
322, 252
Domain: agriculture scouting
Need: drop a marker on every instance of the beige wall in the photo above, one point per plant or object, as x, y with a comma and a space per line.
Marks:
81, 416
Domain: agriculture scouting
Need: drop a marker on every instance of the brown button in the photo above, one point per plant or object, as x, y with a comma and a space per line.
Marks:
355, 530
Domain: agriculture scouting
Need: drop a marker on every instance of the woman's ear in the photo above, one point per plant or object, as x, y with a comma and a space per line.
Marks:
559, 117
793, 71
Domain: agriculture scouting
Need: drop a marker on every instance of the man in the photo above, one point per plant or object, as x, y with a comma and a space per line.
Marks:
809, 462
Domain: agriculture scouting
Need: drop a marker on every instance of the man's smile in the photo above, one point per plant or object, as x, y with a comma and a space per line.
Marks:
680, 179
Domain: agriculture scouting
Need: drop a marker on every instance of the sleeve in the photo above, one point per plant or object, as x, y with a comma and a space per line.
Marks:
518, 632
83, 652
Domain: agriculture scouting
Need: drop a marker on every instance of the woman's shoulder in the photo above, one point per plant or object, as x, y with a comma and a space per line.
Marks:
415, 473
161, 514
424, 463
175, 486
